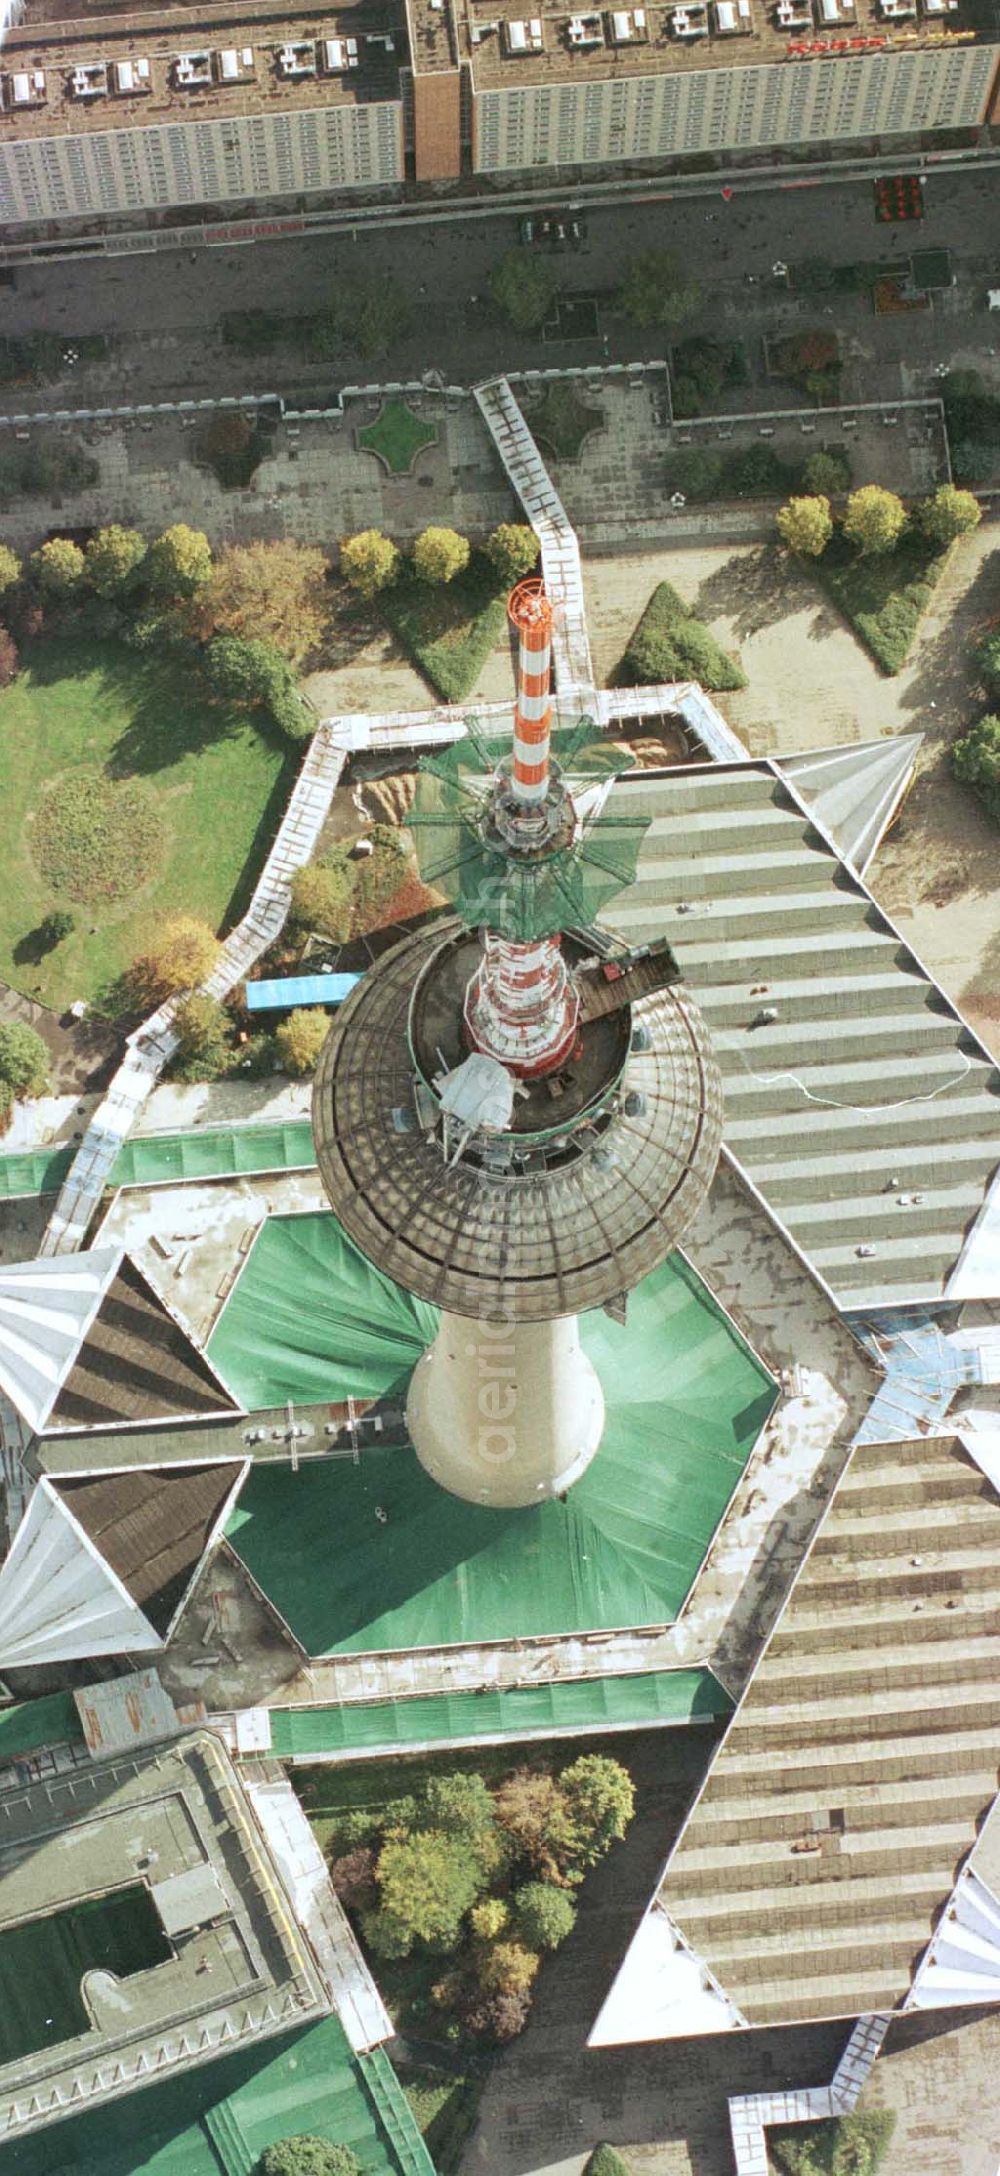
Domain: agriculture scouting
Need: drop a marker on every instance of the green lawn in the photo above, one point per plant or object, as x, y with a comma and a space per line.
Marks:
563, 421
883, 598
448, 629
397, 436
216, 784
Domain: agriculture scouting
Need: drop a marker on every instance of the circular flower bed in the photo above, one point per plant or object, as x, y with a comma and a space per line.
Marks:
97, 838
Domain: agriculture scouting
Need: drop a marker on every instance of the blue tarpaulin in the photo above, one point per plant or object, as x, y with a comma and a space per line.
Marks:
287, 990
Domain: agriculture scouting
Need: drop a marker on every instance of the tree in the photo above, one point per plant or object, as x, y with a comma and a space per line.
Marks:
202, 1026
826, 472
506, 1968
604, 2161
498, 2017
987, 655
806, 526
600, 1800
323, 897
112, 560
178, 562
54, 928
948, 514
57, 566
184, 955
7, 1102
9, 660
427, 1882
544, 1916
232, 447
306, 2155
440, 554
874, 520
10, 568
386, 1934
512, 549
460, 1804
266, 592
656, 292
533, 1810
352, 1877
523, 286
246, 671
975, 759
369, 561
24, 1059
368, 315
300, 1039
489, 1918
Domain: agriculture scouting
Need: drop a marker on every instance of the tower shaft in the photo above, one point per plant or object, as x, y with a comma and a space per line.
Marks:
531, 613
505, 1413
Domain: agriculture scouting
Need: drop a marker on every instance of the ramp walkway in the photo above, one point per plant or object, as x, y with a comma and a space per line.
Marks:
560, 551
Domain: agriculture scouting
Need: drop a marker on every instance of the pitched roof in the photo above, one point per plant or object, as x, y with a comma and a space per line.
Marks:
46, 1309
836, 1107
136, 1364
855, 792
153, 1525
59, 1600
856, 1772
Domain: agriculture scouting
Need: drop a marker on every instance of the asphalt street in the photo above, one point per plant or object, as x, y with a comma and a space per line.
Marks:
166, 308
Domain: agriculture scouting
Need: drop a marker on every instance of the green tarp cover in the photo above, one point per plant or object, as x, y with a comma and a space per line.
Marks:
53, 1720
202, 1152
43, 1961
458, 1718
218, 2117
686, 1398
519, 900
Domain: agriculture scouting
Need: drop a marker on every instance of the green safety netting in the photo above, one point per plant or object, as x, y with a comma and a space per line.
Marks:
517, 899
459, 1718
154, 1159
376, 1556
52, 1720
219, 2117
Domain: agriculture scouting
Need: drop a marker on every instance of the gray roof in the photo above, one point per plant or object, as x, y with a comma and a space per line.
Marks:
865, 1113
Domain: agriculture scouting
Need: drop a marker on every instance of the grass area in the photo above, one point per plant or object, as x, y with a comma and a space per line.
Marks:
449, 629
397, 436
87, 711
445, 2109
883, 598
669, 643
97, 838
562, 421
853, 2145
42, 469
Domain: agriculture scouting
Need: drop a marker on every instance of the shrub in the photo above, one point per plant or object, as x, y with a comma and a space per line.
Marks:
523, 285
805, 525
367, 315
427, 1883
874, 519
825, 473
440, 554
25, 614
57, 566
600, 1800
24, 1059
146, 632
8, 658
178, 562
292, 714
7, 1102
300, 1039
975, 760
246, 670
544, 1916
369, 561
851, 2145
10, 568
498, 2017
184, 955
987, 656
489, 1918
323, 898
307, 2155
232, 447
670, 644
512, 549
948, 514
112, 560
605, 2161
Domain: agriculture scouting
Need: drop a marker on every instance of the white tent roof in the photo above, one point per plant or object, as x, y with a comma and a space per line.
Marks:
46, 1309
59, 1600
663, 1991
855, 792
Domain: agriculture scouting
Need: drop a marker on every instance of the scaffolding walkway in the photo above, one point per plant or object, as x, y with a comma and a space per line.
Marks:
557, 538
152, 1045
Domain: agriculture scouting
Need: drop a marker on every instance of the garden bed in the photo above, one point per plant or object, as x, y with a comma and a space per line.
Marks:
751, 471
562, 422
669, 643
450, 628
397, 436
134, 731
884, 597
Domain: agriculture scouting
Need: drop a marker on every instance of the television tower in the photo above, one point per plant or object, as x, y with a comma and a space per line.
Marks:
514, 1119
